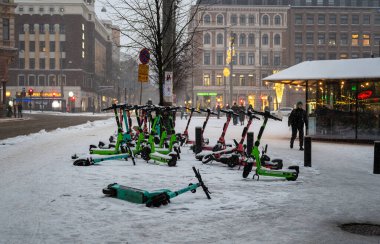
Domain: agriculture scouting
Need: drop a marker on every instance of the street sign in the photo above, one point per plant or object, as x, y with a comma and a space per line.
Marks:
168, 86
144, 56
143, 73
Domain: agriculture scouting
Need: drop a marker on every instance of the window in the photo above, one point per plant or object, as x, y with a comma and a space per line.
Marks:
32, 80
264, 59
251, 81
310, 19
277, 20
21, 9
309, 56
343, 39
354, 55
31, 9
331, 2
355, 40
6, 29
89, 16
251, 58
298, 58
219, 19
332, 56
42, 63
242, 41
309, 38
243, 19
21, 80
52, 80
62, 46
298, 19
51, 29
219, 80
52, 63
32, 63
332, 39
234, 19
366, 55
366, 40
206, 58
242, 59
355, 19
265, 20
207, 19
321, 56
41, 80
251, 19
265, 40
22, 29
332, 19
234, 60
308, 2
277, 59
219, 39
277, 40
366, 19
42, 46
61, 10
31, 29
242, 80
321, 39
298, 38
207, 39
251, 39
62, 29
343, 19
343, 56
319, 2
321, 19
52, 46
21, 45
41, 9
206, 80
21, 63
51, 9
377, 20
32, 46
219, 58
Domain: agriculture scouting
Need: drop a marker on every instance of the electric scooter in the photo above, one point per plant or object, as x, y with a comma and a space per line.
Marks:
184, 137
155, 198
204, 141
291, 174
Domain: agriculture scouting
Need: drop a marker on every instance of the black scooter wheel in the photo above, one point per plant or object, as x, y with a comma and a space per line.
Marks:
145, 153
208, 158
110, 192
293, 178
247, 169
82, 162
233, 162
172, 162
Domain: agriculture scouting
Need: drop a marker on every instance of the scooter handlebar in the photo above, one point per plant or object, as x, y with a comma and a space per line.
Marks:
193, 109
266, 114
201, 183
229, 111
109, 108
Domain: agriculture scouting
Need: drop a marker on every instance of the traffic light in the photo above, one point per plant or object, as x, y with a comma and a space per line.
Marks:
72, 98
30, 92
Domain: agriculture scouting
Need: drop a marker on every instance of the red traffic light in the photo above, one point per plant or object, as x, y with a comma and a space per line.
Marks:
72, 98
30, 92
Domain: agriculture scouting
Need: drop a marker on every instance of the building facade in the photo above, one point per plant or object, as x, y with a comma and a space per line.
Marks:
270, 35
8, 51
65, 56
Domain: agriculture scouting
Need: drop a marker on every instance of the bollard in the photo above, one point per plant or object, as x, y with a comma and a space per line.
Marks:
197, 148
250, 138
307, 152
376, 159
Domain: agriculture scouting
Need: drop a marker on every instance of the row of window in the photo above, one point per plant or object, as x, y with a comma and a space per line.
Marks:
331, 39
332, 19
309, 56
243, 58
343, 3
42, 63
41, 28
40, 80
241, 80
243, 19
40, 9
42, 46
243, 39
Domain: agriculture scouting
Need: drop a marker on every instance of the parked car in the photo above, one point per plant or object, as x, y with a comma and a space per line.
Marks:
284, 111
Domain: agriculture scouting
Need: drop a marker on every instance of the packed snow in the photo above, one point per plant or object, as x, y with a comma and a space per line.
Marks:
45, 199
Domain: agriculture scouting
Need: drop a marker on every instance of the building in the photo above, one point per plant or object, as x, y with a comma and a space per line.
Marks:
65, 55
270, 35
8, 51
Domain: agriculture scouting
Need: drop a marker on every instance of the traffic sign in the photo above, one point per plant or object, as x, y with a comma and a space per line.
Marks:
143, 73
144, 56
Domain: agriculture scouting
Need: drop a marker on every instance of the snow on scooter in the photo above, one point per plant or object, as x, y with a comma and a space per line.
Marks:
154, 198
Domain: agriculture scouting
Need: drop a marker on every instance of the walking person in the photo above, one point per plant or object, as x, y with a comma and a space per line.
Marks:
19, 110
297, 119
235, 108
14, 109
241, 114
218, 111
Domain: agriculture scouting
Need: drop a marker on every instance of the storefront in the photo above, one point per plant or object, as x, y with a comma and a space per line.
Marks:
343, 97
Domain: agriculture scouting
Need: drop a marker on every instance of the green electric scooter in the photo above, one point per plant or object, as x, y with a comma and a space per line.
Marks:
290, 175
154, 198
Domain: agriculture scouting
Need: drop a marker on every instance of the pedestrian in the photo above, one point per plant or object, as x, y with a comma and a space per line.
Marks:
241, 114
149, 102
218, 110
19, 110
297, 119
250, 108
235, 108
182, 110
14, 109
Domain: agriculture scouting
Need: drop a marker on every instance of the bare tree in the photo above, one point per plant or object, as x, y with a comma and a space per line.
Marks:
144, 24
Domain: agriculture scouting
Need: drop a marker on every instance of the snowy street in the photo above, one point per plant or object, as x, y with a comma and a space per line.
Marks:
45, 199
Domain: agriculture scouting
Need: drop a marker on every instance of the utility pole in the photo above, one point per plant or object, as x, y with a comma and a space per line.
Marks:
232, 50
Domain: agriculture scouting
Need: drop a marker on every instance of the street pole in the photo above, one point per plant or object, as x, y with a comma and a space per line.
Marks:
231, 68
141, 89
60, 78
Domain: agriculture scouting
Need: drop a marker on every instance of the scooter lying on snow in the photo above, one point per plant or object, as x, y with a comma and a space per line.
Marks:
154, 198
95, 159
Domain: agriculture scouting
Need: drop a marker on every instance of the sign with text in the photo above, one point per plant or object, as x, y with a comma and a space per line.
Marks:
168, 86
143, 73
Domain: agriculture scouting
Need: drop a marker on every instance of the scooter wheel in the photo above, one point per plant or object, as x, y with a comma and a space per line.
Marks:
145, 153
110, 192
207, 158
293, 178
247, 169
194, 190
295, 167
233, 162
82, 162
172, 162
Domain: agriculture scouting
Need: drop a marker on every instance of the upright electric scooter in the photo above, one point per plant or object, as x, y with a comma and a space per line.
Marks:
184, 137
203, 140
291, 174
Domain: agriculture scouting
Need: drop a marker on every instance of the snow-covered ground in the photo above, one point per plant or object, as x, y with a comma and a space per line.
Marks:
44, 199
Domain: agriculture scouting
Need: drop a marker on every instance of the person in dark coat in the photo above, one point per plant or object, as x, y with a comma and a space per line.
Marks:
297, 119
19, 110
235, 108
241, 114
218, 110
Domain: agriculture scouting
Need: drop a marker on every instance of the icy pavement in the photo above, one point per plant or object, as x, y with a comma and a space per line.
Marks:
44, 199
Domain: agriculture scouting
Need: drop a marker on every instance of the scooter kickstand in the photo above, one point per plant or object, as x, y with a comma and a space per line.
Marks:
258, 177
